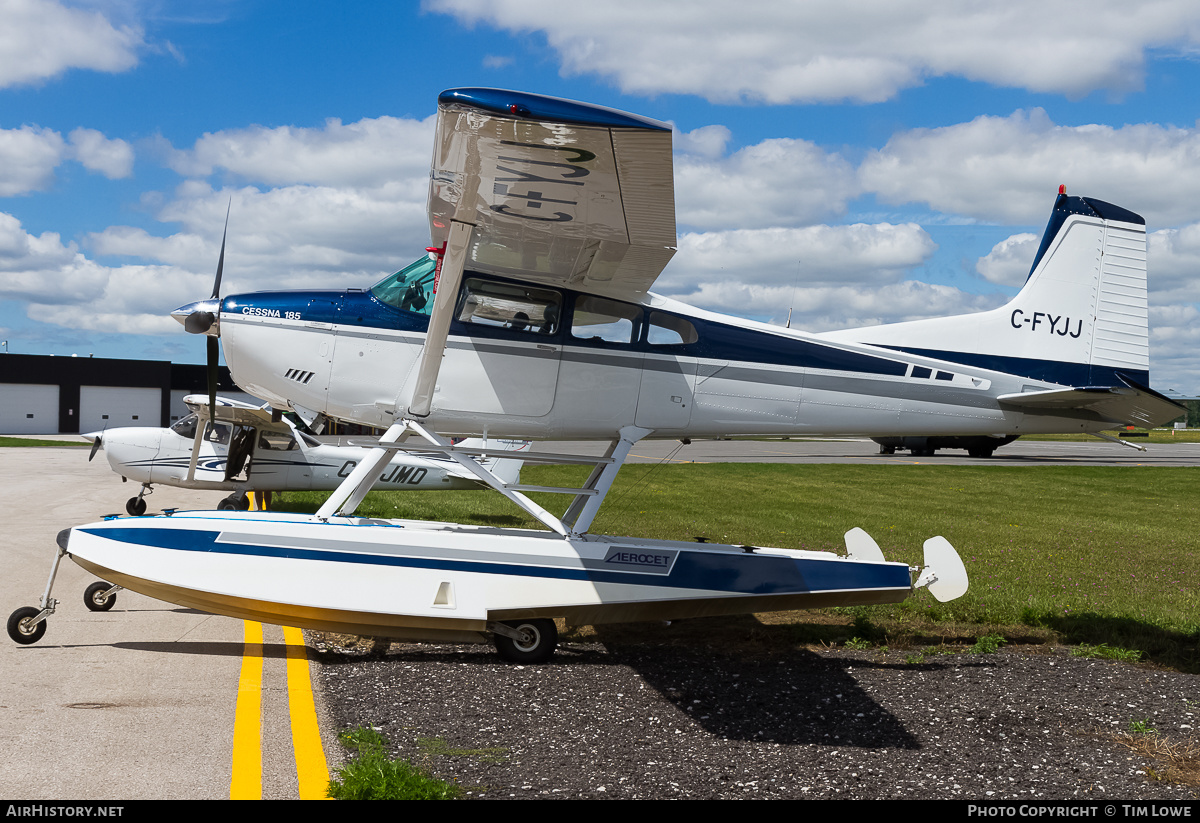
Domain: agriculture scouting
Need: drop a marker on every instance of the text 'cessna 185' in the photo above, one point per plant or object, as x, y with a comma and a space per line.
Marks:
532, 318
250, 449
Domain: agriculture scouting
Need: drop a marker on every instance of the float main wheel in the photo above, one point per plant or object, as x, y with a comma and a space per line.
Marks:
539, 639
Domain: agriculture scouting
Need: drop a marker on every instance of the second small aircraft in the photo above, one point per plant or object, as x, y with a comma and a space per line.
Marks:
249, 449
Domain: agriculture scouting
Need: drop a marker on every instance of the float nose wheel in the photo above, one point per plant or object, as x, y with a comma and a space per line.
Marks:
526, 641
27, 625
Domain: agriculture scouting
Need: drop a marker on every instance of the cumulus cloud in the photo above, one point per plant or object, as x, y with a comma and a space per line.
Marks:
860, 253
778, 182
1009, 261
289, 237
369, 152
112, 158
42, 39
827, 308
28, 157
1173, 265
1006, 169
777, 51
1174, 341
42, 269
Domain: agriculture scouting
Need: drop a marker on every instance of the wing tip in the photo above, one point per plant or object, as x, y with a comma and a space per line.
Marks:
528, 106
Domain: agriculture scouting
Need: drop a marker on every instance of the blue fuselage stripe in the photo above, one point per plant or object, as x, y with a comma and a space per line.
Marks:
712, 571
1050, 371
716, 341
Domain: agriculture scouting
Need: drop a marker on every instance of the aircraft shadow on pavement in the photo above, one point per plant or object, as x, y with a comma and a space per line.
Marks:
789, 697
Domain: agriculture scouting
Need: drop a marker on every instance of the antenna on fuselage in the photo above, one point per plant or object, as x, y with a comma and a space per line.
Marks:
795, 285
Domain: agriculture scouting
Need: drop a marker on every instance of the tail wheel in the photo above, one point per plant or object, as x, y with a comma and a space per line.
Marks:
539, 639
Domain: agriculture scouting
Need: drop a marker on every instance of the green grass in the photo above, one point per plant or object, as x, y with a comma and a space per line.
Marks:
1107, 652
26, 442
372, 775
1096, 555
988, 644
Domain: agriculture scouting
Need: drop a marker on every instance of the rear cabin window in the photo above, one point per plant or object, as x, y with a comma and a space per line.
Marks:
668, 330
510, 306
598, 319
410, 289
276, 441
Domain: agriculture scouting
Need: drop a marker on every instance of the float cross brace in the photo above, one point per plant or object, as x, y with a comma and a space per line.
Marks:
575, 522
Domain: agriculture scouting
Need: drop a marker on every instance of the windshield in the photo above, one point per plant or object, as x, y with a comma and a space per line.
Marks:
410, 289
186, 427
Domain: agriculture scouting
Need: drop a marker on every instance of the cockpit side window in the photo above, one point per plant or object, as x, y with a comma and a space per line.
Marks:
410, 289
598, 319
218, 432
669, 330
511, 306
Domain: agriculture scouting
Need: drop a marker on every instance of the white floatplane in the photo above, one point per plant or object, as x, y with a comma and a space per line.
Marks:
531, 318
250, 449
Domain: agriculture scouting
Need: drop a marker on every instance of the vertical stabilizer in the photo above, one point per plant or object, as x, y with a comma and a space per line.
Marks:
1080, 319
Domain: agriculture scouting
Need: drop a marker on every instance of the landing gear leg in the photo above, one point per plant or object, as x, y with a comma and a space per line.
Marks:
27, 624
136, 506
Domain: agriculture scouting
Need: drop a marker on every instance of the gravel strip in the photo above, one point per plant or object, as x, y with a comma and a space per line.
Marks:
640, 720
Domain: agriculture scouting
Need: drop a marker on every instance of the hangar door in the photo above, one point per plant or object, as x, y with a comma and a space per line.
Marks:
28, 408
114, 407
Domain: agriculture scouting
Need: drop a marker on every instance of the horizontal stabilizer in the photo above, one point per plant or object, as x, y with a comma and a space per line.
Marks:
1131, 405
557, 192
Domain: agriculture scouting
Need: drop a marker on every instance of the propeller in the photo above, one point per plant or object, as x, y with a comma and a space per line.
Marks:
202, 317
97, 442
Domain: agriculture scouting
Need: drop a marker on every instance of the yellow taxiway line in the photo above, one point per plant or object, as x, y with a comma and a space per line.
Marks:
246, 780
312, 772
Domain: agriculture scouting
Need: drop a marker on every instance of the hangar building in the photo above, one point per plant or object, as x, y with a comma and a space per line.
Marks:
45, 394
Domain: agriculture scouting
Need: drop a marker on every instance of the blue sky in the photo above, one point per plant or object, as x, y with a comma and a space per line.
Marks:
869, 162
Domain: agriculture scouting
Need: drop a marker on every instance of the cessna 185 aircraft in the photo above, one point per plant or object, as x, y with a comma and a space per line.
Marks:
532, 318
249, 449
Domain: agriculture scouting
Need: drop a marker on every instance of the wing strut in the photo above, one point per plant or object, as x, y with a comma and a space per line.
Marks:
450, 269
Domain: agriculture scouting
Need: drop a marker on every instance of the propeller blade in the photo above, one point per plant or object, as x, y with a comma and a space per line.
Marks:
214, 354
96, 446
221, 260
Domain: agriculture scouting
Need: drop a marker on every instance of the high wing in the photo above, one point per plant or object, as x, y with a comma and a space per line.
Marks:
557, 192
228, 411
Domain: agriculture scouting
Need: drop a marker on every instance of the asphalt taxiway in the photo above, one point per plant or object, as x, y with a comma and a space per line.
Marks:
143, 701
139, 702
866, 452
